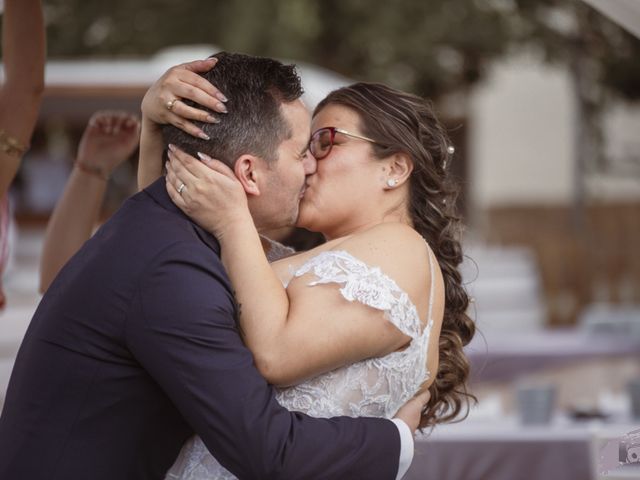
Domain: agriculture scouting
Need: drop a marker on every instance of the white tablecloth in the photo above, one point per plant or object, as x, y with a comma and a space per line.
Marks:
505, 450
502, 356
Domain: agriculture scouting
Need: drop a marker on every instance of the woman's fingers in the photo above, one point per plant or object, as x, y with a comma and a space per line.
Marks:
165, 101
201, 180
203, 85
186, 126
200, 66
180, 172
208, 167
171, 177
176, 183
176, 197
217, 165
189, 112
181, 114
184, 82
211, 194
186, 90
183, 159
180, 190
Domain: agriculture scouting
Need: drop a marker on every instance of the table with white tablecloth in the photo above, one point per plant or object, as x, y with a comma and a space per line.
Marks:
505, 450
504, 356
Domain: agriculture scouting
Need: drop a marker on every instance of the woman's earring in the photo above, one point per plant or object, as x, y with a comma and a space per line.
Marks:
392, 182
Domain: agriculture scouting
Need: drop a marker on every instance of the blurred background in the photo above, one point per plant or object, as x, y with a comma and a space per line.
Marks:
541, 101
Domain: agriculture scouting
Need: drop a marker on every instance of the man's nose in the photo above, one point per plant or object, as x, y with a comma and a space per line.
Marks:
310, 164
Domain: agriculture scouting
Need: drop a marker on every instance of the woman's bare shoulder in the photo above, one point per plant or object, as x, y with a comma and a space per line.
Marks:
398, 240
398, 250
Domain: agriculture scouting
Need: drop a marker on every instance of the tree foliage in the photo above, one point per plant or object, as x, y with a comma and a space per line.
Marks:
571, 31
428, 47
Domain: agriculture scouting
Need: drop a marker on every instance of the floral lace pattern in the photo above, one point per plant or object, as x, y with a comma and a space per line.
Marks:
375, 387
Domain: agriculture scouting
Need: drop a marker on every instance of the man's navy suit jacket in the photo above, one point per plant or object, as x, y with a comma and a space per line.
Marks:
134, 347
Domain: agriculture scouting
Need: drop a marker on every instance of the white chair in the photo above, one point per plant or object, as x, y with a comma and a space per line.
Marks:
506, 285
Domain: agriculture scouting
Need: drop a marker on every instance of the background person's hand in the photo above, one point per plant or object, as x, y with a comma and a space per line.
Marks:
179, 83
108, 140
411, 411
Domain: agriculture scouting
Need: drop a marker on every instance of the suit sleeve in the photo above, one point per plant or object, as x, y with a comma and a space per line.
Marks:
182, 330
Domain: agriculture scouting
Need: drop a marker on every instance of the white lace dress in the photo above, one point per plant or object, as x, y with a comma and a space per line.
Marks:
376, 387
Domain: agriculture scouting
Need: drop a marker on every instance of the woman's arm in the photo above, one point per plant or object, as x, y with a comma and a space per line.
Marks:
23, 52
181, 82
298, 332
109, 139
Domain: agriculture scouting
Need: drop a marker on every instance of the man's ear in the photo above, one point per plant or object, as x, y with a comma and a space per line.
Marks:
247, 170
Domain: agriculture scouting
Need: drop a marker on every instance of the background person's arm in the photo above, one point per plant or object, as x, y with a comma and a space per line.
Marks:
108, 140
23, 57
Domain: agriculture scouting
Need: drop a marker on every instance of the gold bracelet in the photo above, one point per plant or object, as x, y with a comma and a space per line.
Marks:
91, 170
10, 145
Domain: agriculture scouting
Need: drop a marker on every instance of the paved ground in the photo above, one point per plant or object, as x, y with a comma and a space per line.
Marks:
21, 289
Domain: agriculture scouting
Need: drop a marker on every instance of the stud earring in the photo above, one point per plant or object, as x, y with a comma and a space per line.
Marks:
392, 182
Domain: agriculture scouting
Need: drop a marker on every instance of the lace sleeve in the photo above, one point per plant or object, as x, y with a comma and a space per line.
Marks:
365, 284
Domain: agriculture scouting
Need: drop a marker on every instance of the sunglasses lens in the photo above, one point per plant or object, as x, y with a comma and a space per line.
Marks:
320, 145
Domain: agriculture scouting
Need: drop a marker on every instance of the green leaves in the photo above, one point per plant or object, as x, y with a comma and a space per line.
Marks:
428, 47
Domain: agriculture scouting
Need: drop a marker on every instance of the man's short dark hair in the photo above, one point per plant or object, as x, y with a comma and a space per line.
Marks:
255, 87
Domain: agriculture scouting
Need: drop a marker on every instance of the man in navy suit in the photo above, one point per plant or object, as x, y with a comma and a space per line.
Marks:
135, 347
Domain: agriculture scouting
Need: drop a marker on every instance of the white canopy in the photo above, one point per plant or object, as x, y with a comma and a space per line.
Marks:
317, 82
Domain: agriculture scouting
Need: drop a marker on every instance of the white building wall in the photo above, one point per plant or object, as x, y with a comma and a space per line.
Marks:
520, 141
521, 134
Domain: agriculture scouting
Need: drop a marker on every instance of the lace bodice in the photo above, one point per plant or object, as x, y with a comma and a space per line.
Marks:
376, 387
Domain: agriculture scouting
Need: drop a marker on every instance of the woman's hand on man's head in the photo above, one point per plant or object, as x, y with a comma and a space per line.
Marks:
163, 103
207, 191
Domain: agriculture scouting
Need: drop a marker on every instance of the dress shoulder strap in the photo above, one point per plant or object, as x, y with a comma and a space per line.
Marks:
431, 287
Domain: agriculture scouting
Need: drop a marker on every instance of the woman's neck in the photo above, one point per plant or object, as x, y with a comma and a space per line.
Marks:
345, 230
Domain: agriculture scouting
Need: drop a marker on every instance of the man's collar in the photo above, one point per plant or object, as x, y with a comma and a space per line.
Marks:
158, 192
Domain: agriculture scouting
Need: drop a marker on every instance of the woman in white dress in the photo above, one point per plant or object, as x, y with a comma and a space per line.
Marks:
362, 323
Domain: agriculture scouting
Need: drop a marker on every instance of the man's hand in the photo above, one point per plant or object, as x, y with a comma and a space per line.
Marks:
411, 411
109, 139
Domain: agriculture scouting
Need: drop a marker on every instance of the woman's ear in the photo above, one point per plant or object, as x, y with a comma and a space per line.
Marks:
247, 170
398, 170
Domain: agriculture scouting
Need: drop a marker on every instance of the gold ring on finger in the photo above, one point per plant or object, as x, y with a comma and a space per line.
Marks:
170, 104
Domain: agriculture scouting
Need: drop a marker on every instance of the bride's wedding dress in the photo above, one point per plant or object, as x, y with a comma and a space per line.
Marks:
376, 387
